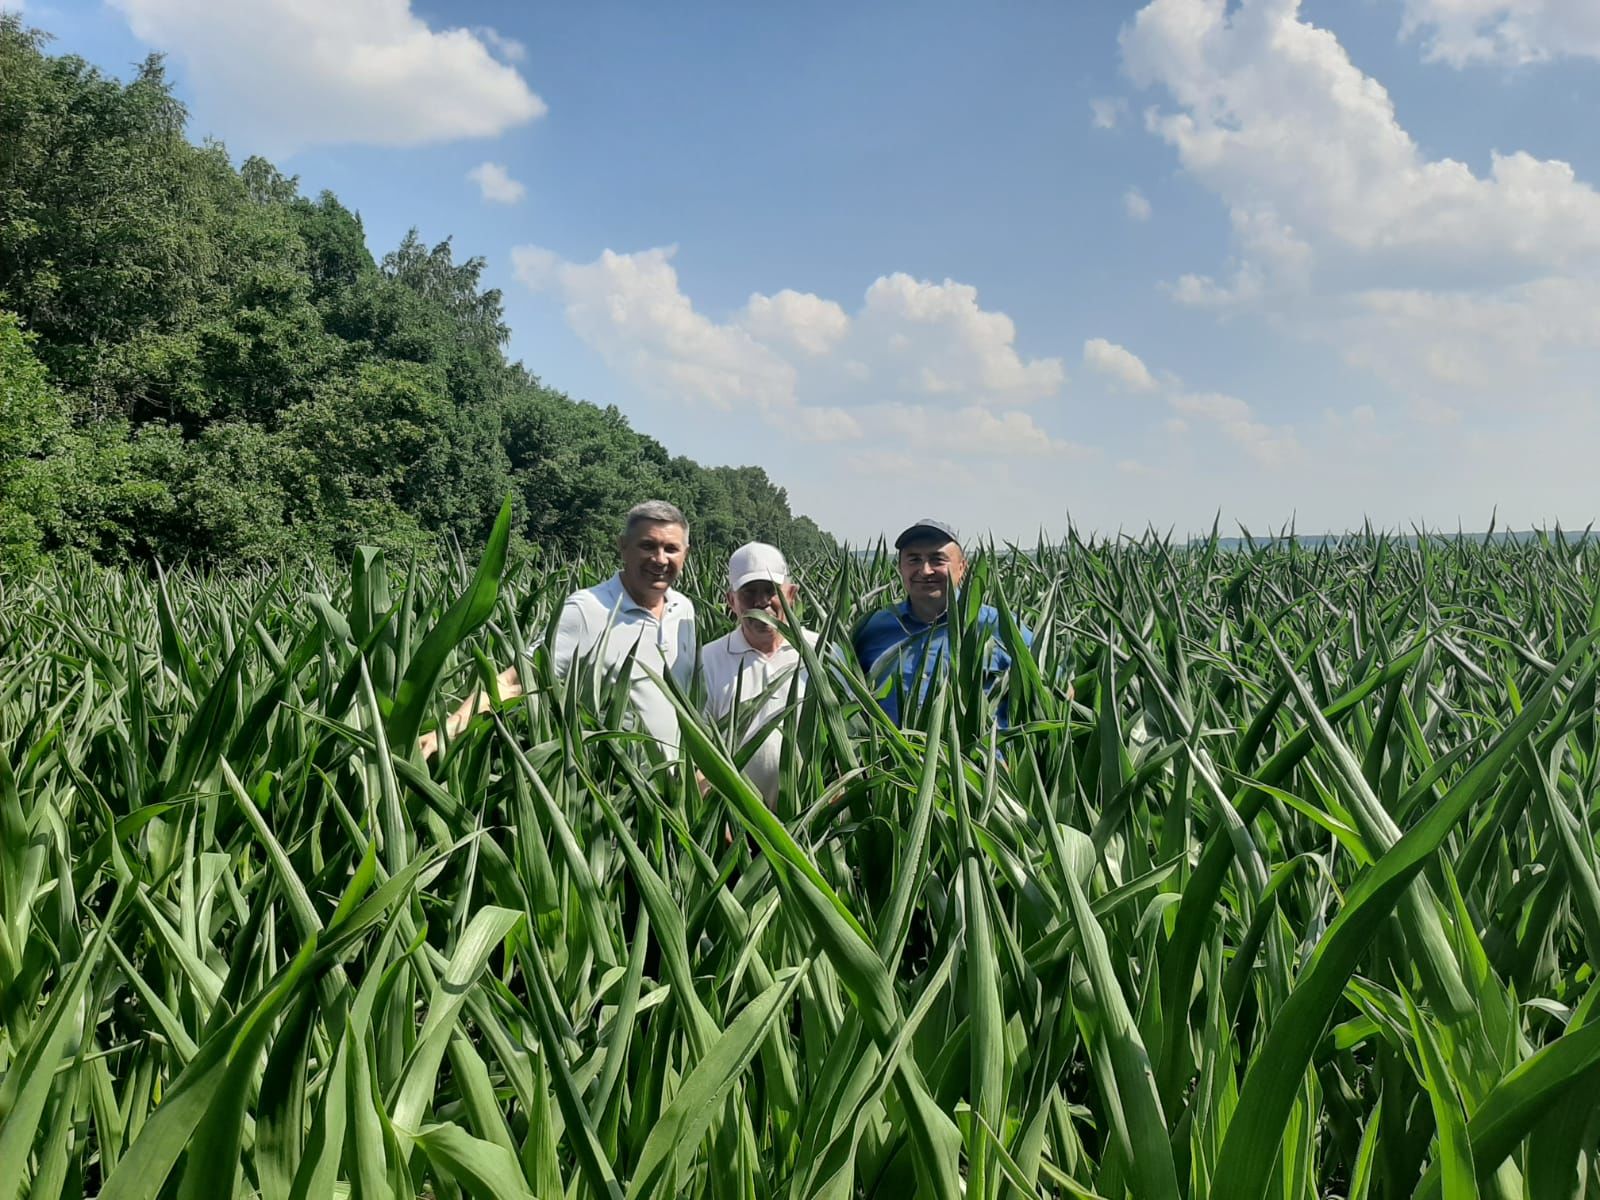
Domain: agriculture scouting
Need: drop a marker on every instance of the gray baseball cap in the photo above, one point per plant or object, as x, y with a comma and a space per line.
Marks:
926, 530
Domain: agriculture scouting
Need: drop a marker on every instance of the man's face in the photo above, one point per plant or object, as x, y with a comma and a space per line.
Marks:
761, 595
930, 569
652, 557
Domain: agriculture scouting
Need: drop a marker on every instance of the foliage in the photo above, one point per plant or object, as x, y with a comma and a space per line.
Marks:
32, 425
245, 381
1298, 897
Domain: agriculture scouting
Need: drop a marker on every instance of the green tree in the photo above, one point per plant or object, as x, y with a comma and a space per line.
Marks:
354, 444
33, 425
99, 193
336, 245
113, 491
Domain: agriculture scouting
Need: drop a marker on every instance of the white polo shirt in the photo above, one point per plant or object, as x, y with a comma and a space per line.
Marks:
731, 667
605, 623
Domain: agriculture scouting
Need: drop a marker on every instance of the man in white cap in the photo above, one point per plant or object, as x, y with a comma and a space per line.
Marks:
751, 671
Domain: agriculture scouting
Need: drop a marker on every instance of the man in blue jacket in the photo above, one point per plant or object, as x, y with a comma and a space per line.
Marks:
911, 640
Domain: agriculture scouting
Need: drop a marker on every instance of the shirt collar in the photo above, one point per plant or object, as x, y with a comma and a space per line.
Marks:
740, 645
911, 623
628, 603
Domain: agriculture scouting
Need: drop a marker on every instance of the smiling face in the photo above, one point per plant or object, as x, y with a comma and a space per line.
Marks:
930, 570
762, 596
652, 558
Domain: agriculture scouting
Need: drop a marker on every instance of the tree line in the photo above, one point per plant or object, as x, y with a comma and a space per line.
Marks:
199, 363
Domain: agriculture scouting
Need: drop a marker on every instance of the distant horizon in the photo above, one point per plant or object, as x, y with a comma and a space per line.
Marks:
1229, 539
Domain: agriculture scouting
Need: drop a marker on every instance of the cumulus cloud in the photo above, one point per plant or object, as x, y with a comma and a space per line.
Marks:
1106, 111
920, 362
1135, 205
495, 183
630, 309
282, 75
1514, 32
1229, 416
1438, 279
797, 320
1119, 364
1308, 154
934, 338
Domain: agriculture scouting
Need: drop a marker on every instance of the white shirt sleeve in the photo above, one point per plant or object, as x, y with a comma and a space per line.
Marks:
571, 637
688, 650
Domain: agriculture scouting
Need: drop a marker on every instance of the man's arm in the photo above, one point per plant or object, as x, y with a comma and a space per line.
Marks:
509, 683
570, 633
861, 643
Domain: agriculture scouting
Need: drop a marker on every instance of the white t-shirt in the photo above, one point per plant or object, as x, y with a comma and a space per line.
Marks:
604, 622
732, 668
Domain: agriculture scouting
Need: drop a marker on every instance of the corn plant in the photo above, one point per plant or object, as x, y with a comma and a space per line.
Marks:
1293, 892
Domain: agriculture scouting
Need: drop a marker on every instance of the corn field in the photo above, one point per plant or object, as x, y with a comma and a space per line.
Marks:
1297, 898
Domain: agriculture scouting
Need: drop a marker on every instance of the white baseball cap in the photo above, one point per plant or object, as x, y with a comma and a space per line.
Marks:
756, 561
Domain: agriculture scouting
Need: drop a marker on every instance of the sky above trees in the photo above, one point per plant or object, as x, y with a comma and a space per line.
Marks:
1124, 263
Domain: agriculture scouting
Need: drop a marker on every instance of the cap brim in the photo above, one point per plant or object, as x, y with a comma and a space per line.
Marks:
923, 533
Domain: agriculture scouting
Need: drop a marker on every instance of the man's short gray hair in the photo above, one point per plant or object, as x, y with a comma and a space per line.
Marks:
657, 512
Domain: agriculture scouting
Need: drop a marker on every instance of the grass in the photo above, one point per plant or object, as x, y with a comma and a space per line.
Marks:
1299, 898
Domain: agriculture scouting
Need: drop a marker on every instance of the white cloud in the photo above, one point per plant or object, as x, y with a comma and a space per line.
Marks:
1452, 287
919, 371
495, 183
1119, 363
281, 75
1233, 418
629, 308
1515, 32
799, 320
1538, 341
1308, 154
507, 48
922, 362
1135, 205
1106, 111
934, 338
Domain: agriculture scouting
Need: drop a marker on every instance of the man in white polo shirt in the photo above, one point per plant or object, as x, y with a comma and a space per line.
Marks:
600, 626
637, 611
753, 667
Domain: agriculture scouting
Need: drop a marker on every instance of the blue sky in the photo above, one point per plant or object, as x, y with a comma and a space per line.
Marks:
1013, 265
